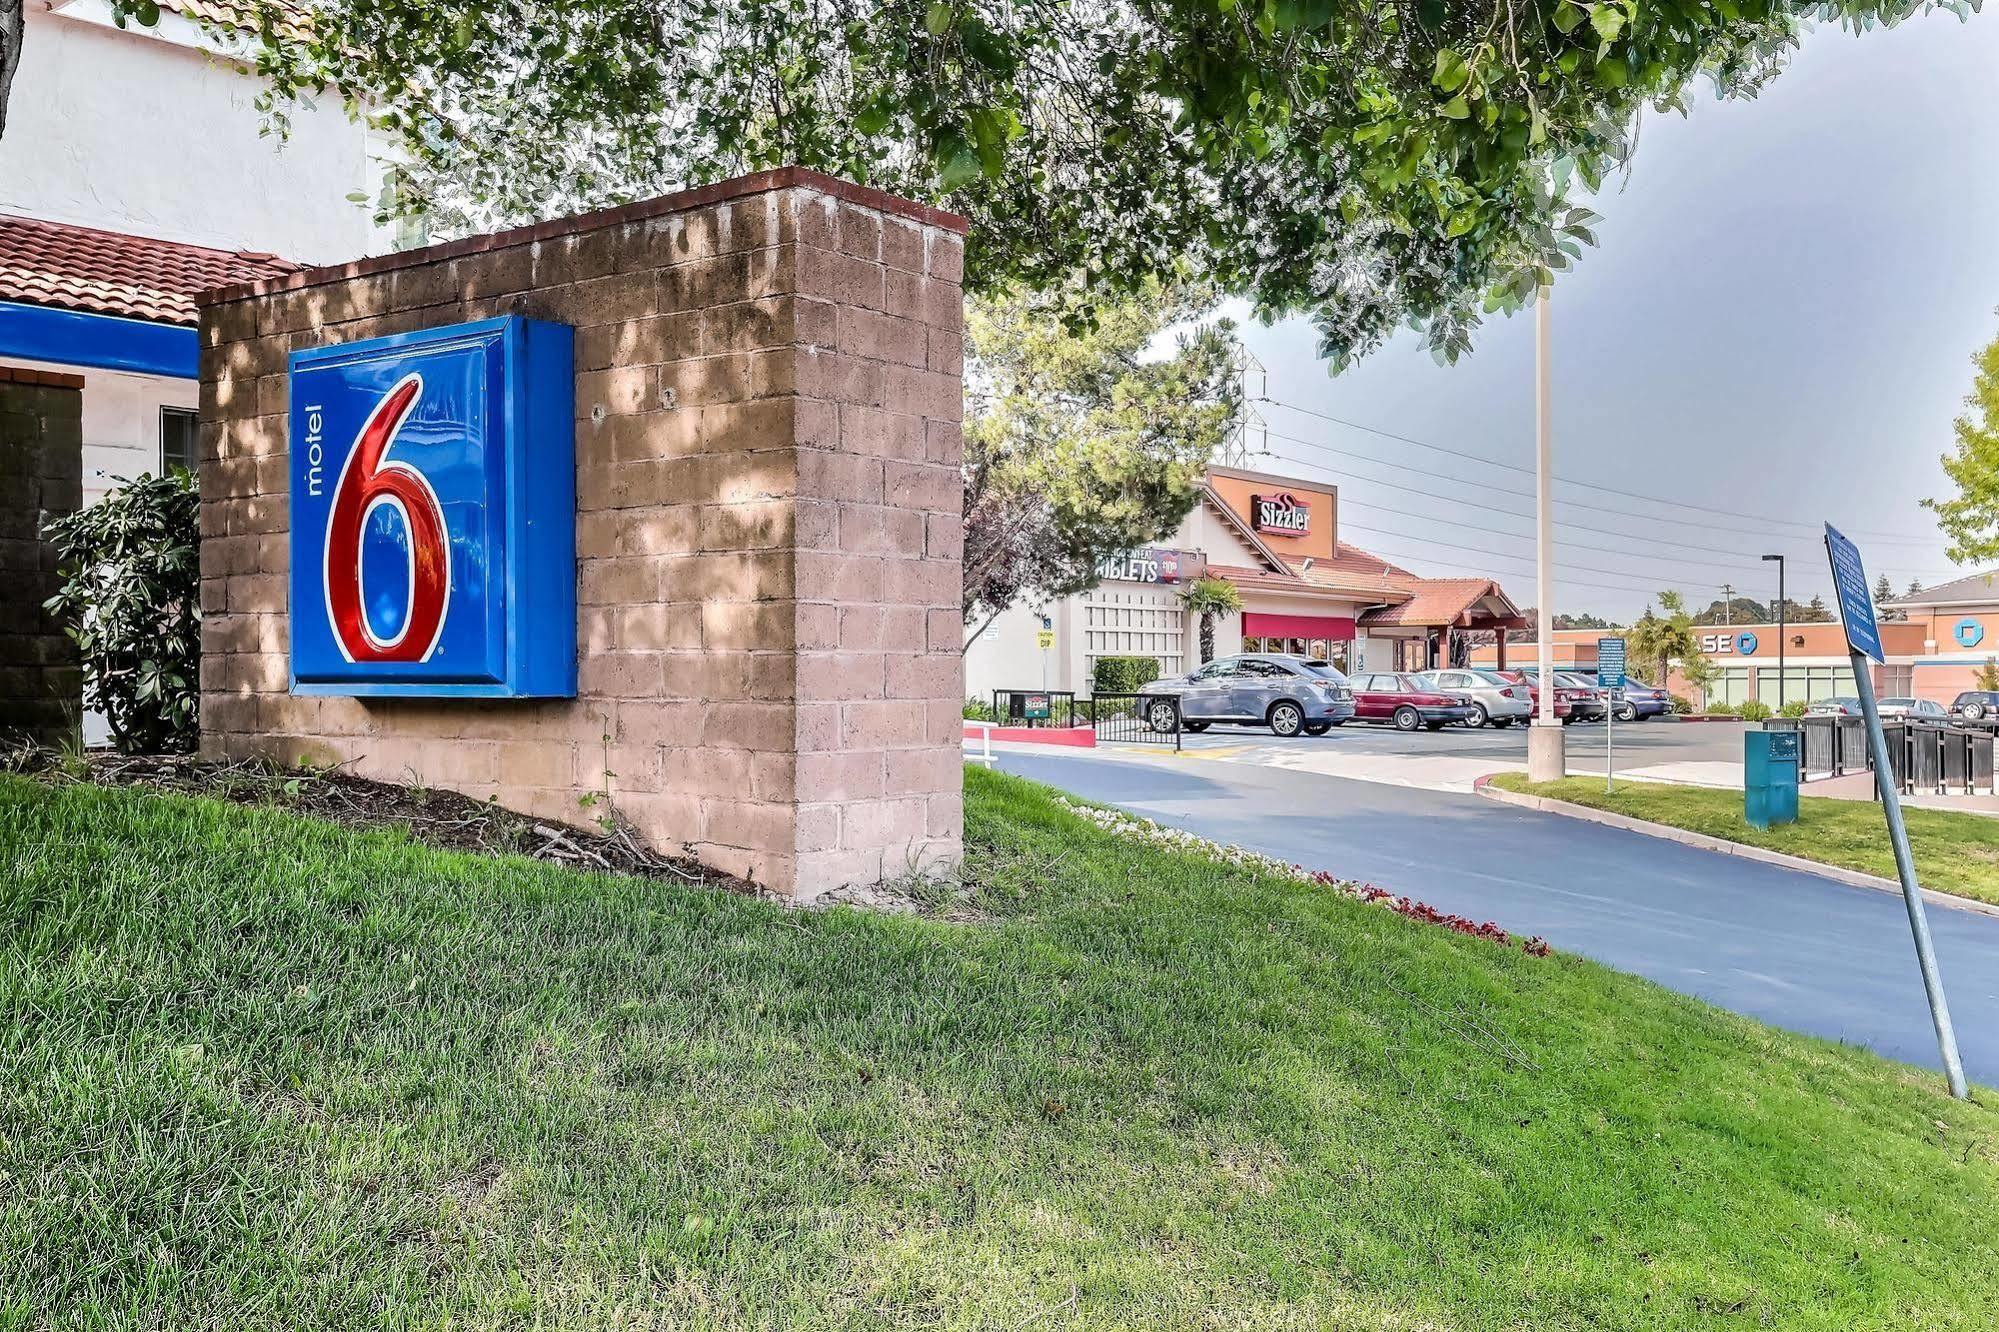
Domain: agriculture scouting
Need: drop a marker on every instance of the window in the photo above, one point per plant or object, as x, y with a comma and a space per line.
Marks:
1216, 670
179, 429
1264, 670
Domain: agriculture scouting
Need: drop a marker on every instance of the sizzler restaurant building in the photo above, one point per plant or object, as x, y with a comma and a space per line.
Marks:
1303, 590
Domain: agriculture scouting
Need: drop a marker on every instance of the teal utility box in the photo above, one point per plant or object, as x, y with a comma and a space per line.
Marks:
1770, 777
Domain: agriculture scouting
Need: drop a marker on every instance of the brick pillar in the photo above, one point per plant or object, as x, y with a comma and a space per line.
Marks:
41, 477
768, 530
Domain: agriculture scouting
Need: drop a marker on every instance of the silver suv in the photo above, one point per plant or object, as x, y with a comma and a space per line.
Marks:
1286, 693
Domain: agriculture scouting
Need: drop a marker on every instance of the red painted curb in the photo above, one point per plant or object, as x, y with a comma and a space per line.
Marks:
1075, 737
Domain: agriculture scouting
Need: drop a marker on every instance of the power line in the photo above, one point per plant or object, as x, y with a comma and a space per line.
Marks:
1707, 548
1590, 485
1527, 560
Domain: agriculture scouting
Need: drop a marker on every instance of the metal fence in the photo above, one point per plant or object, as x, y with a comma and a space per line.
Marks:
1126, 719
1928, 758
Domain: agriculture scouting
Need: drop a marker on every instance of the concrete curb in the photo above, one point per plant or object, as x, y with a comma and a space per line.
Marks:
1853, 878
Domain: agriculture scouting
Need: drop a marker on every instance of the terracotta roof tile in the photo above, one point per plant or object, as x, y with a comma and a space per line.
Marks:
1437, 601
106, 272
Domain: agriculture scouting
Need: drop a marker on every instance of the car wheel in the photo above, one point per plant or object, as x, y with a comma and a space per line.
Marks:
1407, 719
1569, 720
1627, 713
1478, 716
1974, 710
1195, 727
1318, 728
1162, 717
1286, 719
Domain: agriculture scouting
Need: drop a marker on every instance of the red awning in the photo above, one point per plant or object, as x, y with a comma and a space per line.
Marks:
1337, 628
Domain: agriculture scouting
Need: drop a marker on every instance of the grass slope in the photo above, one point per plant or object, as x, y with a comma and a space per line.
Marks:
259, 1071
1955, 853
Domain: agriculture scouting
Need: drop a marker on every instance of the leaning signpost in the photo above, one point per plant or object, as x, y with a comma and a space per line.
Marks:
1863, 643
1610, 679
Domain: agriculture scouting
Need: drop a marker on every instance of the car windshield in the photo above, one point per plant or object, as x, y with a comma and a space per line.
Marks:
1574, 681
1973, 696
1492, 678
1325, 670
1838, 703
1898, 702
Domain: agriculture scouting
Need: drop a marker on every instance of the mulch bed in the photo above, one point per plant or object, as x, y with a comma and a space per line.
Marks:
443, 819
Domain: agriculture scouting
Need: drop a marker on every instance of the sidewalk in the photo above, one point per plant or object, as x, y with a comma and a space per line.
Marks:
1860, 786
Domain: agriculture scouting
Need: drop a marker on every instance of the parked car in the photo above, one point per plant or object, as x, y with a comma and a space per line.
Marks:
1286, 693
1914, 709
1980, 707
1585, 700
1405, 702
1640, 700
1495, 700
1563, 707
1834, 707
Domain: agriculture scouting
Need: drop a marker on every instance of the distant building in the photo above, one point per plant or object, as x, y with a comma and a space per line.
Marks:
133, 175
1304, 590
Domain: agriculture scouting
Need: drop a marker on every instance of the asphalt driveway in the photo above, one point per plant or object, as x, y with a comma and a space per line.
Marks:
1784, 947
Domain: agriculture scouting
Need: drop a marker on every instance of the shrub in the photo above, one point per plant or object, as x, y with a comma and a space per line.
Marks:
1123, 675
979, 710
1723, 710
1755, 710
131, 599
1797, 707
1681, 707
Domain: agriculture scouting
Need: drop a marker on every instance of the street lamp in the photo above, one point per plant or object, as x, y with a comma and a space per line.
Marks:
1547, 757
1780, 628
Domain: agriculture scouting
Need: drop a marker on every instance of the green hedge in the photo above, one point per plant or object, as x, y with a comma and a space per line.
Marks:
1123, 675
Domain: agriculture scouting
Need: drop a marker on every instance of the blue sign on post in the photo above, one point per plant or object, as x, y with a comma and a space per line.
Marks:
1856, 601
1610, 663
433, 514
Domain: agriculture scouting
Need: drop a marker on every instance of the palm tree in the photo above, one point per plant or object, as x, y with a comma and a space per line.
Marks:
1207, 598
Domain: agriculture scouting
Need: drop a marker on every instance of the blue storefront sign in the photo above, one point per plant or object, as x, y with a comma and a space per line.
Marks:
433, 514
1969, 632
1745, 643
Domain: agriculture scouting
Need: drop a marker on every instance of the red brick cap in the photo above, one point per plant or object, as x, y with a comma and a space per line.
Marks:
14, 374
680, 201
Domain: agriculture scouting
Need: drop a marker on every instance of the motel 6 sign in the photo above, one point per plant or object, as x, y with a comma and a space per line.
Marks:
433, 514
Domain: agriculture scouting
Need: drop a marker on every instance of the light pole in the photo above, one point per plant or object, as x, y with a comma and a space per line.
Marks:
1781, 623
1547, 754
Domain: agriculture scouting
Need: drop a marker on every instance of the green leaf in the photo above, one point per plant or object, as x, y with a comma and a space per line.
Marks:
1568, 16
1607, 21
1455, 109
937, 19
1452, 71
960, 169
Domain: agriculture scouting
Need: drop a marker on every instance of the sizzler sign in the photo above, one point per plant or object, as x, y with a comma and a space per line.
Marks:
1283, 513
433, 514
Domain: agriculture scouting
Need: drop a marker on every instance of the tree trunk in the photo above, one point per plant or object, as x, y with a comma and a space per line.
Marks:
1207, 637
13, 32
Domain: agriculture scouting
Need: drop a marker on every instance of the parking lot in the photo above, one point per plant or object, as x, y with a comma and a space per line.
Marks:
1706, 753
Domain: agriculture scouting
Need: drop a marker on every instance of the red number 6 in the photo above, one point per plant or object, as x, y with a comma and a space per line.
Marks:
366, 481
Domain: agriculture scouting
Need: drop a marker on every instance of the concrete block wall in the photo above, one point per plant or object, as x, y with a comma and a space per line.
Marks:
41, 477
768, 412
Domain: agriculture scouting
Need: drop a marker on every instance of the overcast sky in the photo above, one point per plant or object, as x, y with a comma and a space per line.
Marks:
1775, 331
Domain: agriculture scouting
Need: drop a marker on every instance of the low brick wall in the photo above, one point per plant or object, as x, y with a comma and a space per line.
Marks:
768, 445
41, 477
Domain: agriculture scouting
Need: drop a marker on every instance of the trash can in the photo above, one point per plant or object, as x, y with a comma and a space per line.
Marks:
1769, 777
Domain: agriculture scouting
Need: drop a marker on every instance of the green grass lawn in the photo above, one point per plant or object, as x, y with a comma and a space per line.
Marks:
1955, 853
262, 1072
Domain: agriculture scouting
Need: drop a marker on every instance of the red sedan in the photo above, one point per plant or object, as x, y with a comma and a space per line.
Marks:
1405, 702
1565, 699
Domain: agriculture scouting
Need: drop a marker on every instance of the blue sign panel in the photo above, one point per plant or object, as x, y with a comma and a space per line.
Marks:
1745, 643
1856, 601
1610, 663
1969, 632
433, 514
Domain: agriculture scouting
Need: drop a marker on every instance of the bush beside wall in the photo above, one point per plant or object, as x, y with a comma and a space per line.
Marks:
1123, 675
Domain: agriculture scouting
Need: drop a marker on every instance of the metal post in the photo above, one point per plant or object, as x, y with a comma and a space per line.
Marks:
1609, 756
1783, 632
1905, 869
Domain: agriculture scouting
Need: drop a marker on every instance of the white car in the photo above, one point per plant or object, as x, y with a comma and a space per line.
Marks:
1918, 709
1495, 700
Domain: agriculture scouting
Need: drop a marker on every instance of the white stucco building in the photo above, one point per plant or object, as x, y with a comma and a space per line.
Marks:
133, 174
